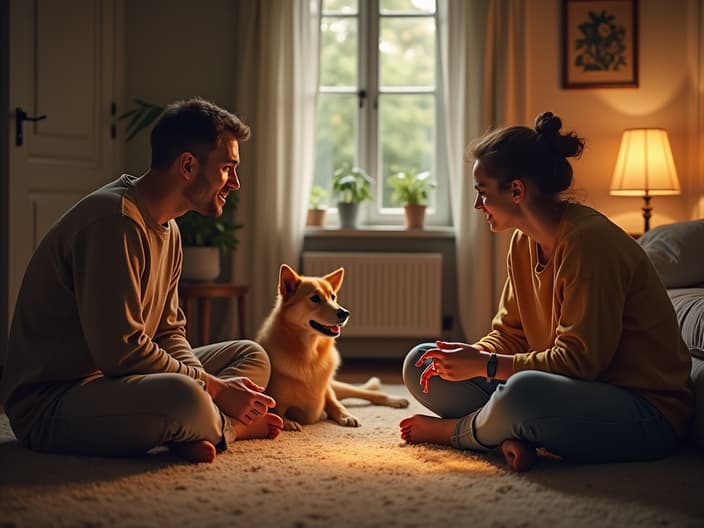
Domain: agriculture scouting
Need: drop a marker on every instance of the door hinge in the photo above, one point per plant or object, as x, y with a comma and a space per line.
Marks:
113, 126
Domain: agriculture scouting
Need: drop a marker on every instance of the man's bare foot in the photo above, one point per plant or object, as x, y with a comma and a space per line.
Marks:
519, 455
198, 451
266, 426
421, 429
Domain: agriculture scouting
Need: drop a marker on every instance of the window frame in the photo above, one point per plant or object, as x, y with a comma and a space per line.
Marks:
367, 151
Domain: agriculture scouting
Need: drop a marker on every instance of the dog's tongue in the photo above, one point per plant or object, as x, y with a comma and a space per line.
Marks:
335, 329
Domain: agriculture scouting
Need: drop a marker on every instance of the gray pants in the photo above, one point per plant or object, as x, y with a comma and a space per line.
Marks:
133, 414
578, 420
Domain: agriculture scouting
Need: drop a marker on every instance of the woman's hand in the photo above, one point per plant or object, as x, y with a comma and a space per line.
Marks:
452, 362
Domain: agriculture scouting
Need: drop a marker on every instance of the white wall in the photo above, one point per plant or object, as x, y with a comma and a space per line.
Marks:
669, 96
177, 49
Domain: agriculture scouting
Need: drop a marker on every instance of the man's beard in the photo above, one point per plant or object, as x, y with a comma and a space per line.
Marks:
200, 194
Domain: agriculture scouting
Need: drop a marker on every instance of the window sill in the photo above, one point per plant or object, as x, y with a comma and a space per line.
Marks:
381, 232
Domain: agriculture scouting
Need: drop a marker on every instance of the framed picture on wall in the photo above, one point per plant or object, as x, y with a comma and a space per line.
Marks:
599, 43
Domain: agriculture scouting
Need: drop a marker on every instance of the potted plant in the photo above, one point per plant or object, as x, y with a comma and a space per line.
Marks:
316, 206
412, 190
204, 239
352, 186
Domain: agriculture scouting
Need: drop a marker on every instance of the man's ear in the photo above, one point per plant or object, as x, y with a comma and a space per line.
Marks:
188, 165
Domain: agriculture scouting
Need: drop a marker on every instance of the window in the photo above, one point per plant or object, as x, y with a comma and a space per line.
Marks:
379, 99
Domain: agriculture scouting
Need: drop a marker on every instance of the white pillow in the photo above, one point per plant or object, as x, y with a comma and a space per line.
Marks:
676, 252
689, 307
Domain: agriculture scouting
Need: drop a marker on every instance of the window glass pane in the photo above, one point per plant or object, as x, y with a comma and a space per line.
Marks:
407, 51
407, 6
338, 52
336, 132
407, 137
348, 7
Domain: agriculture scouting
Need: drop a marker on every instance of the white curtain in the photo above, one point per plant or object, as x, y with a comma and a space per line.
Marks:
484, 87
278, 82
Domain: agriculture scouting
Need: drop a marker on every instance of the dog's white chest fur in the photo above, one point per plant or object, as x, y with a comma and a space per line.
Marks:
299, 382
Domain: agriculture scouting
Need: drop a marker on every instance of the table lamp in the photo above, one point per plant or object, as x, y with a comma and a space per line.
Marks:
645, 167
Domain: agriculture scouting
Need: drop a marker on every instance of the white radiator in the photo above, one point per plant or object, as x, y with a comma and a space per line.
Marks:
387, 294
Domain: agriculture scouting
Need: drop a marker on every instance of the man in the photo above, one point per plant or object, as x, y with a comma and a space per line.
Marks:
98, 361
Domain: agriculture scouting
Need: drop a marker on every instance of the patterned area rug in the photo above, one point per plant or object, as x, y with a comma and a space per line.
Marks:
330, 476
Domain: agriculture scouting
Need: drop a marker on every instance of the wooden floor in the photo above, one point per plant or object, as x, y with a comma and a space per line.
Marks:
360, 370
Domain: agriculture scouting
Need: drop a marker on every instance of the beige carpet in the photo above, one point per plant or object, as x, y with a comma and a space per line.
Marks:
329, 476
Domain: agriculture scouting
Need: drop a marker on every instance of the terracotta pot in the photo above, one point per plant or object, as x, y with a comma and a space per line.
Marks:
200, 263
415, 216
315, 218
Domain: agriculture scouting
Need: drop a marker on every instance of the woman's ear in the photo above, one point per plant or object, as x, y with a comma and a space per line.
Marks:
518, 191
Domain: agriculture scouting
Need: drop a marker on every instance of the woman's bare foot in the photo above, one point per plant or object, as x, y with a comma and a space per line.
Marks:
421, 429
198, 451
266, 426
519, 455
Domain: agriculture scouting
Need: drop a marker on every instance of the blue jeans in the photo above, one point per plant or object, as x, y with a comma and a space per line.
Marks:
578, 420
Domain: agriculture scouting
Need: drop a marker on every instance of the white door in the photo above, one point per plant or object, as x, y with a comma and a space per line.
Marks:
65, 64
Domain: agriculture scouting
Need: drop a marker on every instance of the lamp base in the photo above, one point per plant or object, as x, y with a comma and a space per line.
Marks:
646, 213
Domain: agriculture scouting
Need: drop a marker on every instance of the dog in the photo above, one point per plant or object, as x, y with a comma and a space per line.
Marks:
299, 336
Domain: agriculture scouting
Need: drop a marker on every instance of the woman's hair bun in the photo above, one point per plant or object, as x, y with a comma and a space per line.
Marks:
548, 124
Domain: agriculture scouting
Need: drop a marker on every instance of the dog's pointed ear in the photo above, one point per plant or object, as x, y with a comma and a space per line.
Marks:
335, 278
288, 280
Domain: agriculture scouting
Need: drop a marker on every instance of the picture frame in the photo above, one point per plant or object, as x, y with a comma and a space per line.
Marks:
599, 44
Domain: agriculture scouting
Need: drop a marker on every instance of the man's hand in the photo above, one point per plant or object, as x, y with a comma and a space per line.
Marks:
452, 362
240, 398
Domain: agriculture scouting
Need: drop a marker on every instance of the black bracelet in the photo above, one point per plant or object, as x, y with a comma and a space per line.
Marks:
491, 367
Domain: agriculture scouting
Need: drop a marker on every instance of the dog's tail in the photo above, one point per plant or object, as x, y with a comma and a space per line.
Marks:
348, 390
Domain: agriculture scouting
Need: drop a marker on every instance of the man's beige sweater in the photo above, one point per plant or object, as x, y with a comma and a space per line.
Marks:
99, 298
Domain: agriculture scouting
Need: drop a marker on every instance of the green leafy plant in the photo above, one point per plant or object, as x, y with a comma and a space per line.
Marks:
199, 230
411, 187
141, 117
351, 184
196, 229
318, 195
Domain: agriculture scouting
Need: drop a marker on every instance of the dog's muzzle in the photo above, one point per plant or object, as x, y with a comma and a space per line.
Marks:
332, 330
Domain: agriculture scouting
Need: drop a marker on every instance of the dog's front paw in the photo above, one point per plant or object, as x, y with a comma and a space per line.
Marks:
348, 421
292, 425
397, 403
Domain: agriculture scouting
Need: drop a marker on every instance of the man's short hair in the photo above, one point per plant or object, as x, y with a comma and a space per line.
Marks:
193, 125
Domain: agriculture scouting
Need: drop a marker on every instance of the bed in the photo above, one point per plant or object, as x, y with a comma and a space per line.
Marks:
677, 251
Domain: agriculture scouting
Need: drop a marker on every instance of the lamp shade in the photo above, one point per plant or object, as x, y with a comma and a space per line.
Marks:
645, 166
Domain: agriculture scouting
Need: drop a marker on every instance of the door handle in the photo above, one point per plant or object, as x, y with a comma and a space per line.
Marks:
20, 116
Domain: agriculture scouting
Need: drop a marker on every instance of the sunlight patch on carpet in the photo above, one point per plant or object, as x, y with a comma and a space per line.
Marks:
401, 456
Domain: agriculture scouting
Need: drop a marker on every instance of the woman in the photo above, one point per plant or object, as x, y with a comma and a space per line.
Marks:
585, 356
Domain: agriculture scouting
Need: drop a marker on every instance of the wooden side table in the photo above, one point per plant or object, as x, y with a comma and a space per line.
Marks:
203, 292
